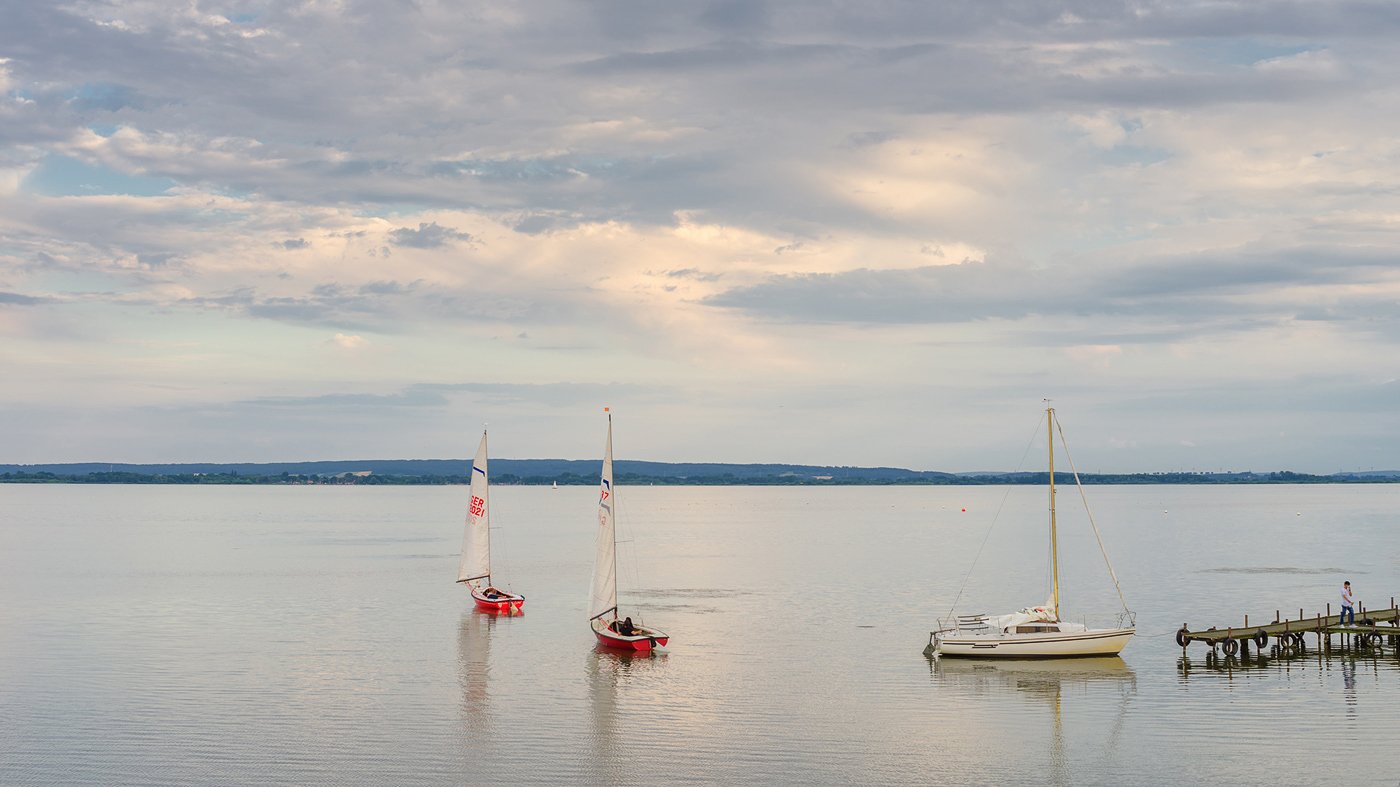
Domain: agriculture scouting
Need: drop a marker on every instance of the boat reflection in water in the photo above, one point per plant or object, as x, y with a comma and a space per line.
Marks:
613, 677
1033, 676
474, 673
1048, 683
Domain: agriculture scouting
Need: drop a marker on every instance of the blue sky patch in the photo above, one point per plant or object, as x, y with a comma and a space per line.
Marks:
104, 96
62, 176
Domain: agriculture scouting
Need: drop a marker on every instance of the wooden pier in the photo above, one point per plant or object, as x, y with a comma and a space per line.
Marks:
1374, 628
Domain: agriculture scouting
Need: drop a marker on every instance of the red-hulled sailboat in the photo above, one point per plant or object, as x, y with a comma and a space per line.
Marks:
475, 570
602, 604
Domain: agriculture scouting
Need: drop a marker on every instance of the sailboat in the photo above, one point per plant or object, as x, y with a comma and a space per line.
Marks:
1036, 632
475, 569
602, 602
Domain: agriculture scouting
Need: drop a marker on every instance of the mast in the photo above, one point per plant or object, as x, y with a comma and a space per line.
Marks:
1054, 544
612, 515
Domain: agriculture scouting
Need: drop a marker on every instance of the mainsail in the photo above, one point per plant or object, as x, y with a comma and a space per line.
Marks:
604, 597
476, 541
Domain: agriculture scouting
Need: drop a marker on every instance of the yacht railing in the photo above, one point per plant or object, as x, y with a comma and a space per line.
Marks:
964, 624
981, 623
1112, 620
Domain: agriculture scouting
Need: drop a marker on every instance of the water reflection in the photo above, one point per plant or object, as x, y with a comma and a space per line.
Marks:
610, 673
1044, 679
1046, 682
474, 672
1284, 662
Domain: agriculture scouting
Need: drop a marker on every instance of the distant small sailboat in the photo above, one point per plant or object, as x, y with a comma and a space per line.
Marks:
556, 485
1036, 632
602, 603
476, 544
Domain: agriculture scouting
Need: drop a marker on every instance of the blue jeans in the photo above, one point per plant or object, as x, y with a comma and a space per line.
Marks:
1345, 612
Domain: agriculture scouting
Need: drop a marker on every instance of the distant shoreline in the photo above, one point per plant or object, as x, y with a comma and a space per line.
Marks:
363, 478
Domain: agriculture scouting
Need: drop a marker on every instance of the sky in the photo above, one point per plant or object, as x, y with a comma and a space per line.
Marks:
837, 233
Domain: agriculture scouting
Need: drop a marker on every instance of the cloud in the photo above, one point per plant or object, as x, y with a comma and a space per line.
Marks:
757, 203
347, 342
1235, 288
427, 236
16, 299
441, 395
406, 398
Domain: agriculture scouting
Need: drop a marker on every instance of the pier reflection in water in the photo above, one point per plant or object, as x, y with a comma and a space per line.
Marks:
1285, 663
1349, 673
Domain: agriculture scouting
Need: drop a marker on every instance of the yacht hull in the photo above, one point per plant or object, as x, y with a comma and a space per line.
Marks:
645, 639
504, 603
1095, 642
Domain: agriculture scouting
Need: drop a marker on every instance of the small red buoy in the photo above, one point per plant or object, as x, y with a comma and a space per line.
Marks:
964, 510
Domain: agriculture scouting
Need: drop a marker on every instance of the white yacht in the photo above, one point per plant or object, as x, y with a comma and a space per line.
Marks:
1036, 632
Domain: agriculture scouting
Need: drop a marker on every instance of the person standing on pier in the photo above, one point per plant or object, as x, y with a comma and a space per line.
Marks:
1347, 611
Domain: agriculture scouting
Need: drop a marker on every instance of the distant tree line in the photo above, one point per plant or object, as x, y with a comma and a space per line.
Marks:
229, 478
724, 479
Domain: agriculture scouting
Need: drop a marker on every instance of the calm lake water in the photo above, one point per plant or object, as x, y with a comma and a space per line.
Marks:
314, 635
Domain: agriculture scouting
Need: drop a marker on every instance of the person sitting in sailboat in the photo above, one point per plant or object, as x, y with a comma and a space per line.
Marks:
625, 627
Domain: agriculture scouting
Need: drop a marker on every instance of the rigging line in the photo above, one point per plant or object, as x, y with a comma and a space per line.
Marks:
995, 516
627, 567
1082, 496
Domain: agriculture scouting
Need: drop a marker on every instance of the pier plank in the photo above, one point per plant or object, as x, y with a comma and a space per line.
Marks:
1326, 624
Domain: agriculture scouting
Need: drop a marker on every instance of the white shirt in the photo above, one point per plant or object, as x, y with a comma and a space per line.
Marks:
1346, 596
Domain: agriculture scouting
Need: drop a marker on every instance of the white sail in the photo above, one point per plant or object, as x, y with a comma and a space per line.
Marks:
476, 541
604, 596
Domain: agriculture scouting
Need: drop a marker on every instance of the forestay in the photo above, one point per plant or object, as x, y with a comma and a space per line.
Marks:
476, 540
604, 595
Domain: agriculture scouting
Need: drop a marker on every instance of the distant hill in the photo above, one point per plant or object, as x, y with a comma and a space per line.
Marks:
521, 468
585, 471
